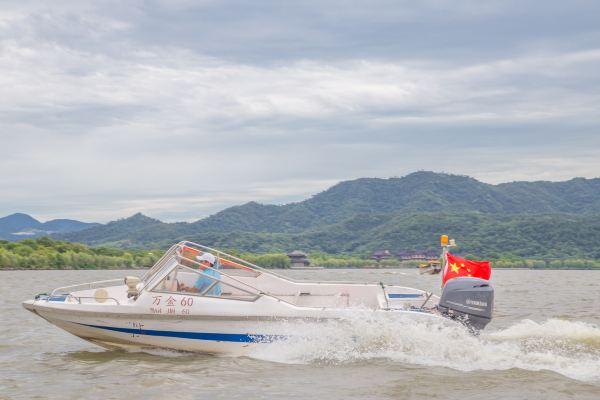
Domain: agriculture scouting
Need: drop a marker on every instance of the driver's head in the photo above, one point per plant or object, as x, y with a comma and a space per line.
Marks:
206, 259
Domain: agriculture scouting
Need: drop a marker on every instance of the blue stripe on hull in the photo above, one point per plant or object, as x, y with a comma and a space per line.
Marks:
218, 337
404, 295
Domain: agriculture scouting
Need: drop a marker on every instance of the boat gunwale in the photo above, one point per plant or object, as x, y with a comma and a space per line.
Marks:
37, 305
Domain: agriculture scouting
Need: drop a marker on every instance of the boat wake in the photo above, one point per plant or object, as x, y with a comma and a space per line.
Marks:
569, 348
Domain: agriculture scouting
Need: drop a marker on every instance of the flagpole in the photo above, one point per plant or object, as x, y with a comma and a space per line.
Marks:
445, 243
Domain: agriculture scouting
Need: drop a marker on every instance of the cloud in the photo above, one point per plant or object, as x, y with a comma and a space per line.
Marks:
109, 109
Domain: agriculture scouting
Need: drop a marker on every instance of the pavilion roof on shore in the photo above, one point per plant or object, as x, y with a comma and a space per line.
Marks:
296, 254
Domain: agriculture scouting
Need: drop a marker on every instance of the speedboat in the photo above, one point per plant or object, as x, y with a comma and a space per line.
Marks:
229, 306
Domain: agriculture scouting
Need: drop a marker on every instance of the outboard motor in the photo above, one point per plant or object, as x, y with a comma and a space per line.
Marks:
469, 300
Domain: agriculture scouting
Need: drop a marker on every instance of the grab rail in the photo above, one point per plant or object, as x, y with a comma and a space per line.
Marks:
91, 297
221, 254
90, 285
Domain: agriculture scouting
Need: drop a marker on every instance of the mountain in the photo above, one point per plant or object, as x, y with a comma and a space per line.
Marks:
17, 222
66, 225
528, 219
417, 192
20, 226
135, 231
479, 234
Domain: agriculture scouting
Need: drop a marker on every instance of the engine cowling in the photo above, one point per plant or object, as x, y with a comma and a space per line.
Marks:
469, 300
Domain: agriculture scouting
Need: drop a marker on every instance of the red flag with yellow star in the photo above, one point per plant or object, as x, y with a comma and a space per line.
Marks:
457, 267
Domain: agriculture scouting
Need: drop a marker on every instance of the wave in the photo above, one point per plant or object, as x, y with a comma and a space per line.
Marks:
570, 348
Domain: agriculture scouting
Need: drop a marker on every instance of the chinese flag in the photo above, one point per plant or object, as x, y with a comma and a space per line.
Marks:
457, 267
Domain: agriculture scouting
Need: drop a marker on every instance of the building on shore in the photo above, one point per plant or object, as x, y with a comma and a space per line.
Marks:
298, 259
417, 255
379, 255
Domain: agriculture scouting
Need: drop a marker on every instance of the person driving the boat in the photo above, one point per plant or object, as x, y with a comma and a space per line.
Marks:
209, 268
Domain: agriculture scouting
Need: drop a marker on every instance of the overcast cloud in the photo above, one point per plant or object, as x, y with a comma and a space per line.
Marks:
179, 109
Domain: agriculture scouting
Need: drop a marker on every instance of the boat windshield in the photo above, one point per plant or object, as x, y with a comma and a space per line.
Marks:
182, 269
162, 264
204, 282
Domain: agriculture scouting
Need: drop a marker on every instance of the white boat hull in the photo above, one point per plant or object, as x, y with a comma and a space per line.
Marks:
181, 304
203, 334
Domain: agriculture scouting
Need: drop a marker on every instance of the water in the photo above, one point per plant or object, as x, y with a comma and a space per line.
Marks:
544, 343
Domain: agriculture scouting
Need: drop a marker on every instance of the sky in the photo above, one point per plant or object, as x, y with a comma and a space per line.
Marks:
178, 109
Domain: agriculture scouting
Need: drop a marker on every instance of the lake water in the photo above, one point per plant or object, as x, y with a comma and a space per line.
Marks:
544, 343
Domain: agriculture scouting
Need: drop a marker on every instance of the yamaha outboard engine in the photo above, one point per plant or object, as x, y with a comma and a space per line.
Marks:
469, 300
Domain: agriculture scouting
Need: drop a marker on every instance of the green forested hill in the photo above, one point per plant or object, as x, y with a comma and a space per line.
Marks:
45, 253
483, 235
417, 192
525, 219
